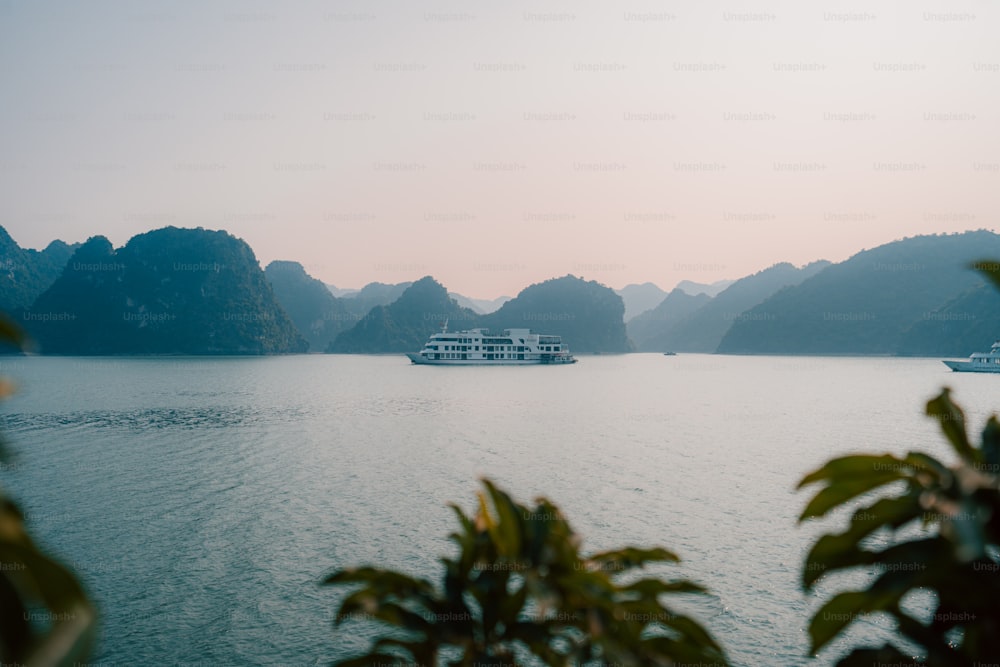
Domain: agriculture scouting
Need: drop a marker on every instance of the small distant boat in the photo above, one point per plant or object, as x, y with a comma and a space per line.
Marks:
670, 354
980, 362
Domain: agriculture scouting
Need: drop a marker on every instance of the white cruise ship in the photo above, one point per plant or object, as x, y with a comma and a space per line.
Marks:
980, 362
482, 347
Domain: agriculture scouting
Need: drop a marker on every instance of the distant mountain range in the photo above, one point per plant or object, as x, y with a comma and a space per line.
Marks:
341, 291
195, 291
482, 306
376, 294
404, 324
898, 298
647, 296
640, 298
586, 314
652, 331
317, 314
685, 323
711, 289
967, 323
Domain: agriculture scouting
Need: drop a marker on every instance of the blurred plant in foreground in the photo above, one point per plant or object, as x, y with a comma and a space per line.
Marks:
520, 591
45, 617
958, 560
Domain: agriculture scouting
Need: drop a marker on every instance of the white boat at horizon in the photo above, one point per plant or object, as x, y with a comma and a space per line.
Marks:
980, 362
482, 347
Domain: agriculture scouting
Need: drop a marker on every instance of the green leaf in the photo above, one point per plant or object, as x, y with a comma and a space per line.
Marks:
69, 639
952, 421
917, 562
511, 606
839, 612
373, 660
653, 587
383, 580
967, 530
486, 520
830, 553
509, 517
15, 633
58, 588
619, 560
843, 491
692, 632
924, 464
468, 527
887, 655
843, 550
991, 446
853, 466
401, 617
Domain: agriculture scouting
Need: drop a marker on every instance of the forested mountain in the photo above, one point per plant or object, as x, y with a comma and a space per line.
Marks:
26, 273
168, 291
968, 323
588, 315
405, 324
640, 298
340, 291
317, 314
651, 331
374, 294
876, 302
481, 306
701, 330
711, 289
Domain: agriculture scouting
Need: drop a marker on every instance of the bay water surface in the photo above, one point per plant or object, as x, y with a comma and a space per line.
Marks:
202, 500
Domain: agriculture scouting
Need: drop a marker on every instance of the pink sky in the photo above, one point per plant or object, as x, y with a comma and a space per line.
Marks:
497, 145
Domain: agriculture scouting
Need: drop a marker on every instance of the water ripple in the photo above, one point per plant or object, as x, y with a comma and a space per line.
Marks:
184, 418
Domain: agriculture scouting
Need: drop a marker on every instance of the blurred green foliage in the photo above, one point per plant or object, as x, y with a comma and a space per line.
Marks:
45, 616
956, 557
520, 592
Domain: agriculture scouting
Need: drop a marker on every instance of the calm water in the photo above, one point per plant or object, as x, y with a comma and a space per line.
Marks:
202, 500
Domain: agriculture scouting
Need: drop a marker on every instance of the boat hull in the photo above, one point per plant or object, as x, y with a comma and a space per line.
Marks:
418, 359
969, 367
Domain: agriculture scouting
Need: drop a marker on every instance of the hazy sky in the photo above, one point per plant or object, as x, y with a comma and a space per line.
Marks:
497, 144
